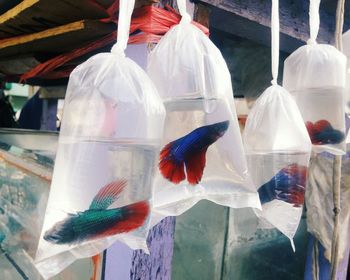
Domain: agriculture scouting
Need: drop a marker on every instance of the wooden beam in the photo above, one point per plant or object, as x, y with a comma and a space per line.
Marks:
56, 40
35, 15
330, 6
225, 21
18, 64
7, 4
251, 19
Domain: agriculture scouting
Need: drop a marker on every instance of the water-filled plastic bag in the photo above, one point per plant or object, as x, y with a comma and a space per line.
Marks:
201, 152
315, 75
102, 182
278, 151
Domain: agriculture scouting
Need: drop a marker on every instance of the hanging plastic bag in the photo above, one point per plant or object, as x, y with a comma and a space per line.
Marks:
110, 136
278, 150
201, 153
315, 75
346, 51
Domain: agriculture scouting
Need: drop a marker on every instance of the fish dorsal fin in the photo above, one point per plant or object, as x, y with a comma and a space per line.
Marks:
108, 194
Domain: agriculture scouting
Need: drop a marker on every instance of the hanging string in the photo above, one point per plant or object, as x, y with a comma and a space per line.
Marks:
336, 202
314, 20
275, 41
337, 159
126, 8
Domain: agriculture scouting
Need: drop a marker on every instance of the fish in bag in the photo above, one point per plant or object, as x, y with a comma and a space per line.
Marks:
108, 145
201, 151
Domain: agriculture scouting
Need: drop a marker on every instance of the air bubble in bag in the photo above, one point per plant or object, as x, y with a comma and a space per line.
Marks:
315, 75
112, 123
202, 153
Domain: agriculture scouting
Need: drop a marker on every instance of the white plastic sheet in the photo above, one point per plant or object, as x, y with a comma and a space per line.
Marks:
102, 182
320, 205
315, 75
202, 154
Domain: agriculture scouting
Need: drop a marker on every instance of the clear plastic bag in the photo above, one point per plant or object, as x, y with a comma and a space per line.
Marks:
202, 153
102, 183
346, 51
315, 75
278, 152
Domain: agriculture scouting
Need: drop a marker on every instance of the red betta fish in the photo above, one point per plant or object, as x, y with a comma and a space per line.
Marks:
287, 185
322, 132
189, 151
98, 221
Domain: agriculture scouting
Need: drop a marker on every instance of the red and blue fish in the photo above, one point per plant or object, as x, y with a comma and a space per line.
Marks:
287, 185
322, 132
98, 221
189, 152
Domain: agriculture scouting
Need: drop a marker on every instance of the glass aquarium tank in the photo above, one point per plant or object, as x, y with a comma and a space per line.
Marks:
25, 178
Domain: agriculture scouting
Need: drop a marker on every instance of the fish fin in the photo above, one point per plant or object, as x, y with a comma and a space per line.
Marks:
134, 216
108, 194
290, 175
311, 130
169, 167
322, 125
330, 136
195, 164
295, 196
298, 171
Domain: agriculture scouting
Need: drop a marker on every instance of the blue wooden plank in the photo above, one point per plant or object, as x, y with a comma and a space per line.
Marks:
156, 265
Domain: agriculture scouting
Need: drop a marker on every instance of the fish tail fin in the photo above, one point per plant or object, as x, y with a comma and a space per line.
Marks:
169, 167
195, 164
108, 194
134, 216
322, 125
330, 136
295, 195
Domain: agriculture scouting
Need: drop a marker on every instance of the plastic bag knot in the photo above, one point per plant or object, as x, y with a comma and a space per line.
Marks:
186, 18
311, 42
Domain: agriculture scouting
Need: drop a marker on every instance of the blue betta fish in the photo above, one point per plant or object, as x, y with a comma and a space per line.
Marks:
189, 152
287, 185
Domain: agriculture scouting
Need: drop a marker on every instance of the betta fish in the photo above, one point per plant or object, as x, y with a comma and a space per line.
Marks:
189, 152
322, 132
98, 221
287, 185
